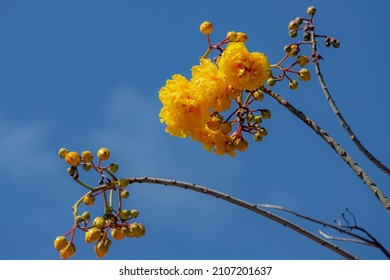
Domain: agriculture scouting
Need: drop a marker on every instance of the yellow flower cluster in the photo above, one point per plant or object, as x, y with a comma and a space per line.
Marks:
188, 105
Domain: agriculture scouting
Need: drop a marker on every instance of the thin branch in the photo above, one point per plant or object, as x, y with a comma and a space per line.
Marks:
346, 239
246, 205
337, 112
336, 147
340, 228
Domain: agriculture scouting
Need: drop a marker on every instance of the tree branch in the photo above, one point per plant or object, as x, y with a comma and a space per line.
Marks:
340, 228
336, 147
337, 112
246, 205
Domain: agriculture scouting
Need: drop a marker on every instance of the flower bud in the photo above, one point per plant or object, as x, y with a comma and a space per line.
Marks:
230, 147
123, 183
62, 152
89, 200
241, 37
293, 33
99, 222
265, 114
72, 158
103, 154
242, 145
86, 156
60, 242
92, 234
68, 251
231, 36
206, 28
258, 119
79, 219
124, 214
138, 230
311, 10
114, 167
293, 25
258, 95
299, 20
304, 75
257, 137
335, 43
226, 128
72, 170
271, 82
214, 124
86, 216
134, 213
117, 234
293, 85
302, 60
263, 132
87, 166
125, 194
101, 249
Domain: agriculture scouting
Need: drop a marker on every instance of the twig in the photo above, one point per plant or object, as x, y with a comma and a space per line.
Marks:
340, 228
336, 147
345, 239
244, 204
337, 112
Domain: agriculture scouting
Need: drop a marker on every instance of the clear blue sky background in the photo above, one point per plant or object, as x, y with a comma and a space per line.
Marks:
86, 74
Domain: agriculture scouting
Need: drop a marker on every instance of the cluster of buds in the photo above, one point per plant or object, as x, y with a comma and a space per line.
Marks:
294, 50
114, 221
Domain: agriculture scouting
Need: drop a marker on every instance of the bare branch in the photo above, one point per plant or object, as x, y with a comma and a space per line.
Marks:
342, 229
246, 205
346, 239
337, 112
336, 147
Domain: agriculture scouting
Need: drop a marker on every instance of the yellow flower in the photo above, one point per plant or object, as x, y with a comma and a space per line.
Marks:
242, 69
184, 110
210, 86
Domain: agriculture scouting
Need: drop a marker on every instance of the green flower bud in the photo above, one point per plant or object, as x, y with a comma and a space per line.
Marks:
311, 10
124, 214
266, 114
123, 183
258, 119
258, 95
293, 85
271, 82
114, 167
72, 170
262, 131
293, 33
86, 216
62, 152
242, 145
87, 166
99, 222
125, 194
134, 213
257, 137
79, 219
86, 156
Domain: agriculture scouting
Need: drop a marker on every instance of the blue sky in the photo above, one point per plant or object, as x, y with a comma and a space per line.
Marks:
86, 74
